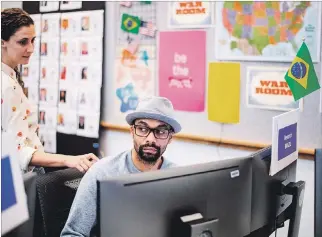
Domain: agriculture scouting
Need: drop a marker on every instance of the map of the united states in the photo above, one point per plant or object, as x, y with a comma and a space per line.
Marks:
252, 25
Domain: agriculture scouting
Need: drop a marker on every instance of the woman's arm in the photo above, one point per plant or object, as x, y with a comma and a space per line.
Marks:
81, 162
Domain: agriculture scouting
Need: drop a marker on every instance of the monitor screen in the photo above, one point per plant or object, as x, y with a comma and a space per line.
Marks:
318, 193
151, 203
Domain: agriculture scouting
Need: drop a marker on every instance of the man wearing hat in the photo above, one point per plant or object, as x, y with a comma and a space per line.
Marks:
152, 126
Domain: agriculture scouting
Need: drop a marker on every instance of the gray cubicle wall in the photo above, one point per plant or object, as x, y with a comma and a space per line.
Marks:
255, 125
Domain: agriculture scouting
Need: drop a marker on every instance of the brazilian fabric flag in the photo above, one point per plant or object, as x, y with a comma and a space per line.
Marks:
301, 77
130, 23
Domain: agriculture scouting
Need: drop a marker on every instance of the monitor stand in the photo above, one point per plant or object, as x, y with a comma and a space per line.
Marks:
292, 212
195, 225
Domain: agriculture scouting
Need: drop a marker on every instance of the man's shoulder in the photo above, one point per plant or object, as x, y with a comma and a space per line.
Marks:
109, 165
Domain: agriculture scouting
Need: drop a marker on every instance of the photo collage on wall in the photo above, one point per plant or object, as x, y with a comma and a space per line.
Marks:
64, 76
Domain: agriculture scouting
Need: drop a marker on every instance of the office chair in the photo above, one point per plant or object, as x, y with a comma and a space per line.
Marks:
54, 200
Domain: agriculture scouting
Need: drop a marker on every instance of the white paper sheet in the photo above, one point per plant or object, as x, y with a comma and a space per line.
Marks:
49, 72
48, 95
69, 48
87, 124
90, 73
49, 48
90, 48
48, 6
48, 140
69, 73
50, 24
68, 97
67, 121
89, 99
70, 24
92, 23
31, 90
47, 117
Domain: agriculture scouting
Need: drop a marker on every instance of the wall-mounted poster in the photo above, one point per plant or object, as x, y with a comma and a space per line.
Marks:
267, 89
267, 30
196, 14
182, 69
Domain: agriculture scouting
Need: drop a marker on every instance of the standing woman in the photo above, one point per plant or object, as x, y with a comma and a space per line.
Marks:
18, 117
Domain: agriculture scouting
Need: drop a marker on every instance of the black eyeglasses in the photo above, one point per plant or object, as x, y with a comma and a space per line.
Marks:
159, 133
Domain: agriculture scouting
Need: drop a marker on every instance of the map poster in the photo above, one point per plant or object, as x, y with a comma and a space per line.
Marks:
267, 89
267, 30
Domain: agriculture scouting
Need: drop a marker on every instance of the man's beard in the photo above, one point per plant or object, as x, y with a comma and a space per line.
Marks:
147, 157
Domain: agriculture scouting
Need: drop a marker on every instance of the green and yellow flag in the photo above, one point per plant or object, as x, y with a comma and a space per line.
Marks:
130, 23
301, 76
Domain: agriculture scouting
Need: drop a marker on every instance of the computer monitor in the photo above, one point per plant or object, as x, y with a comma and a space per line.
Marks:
26, 229
318, 192
273, 197
152, 203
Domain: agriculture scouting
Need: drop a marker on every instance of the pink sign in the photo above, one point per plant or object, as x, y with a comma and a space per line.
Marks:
182, 69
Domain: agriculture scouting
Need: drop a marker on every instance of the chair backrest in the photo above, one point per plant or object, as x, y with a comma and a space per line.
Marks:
54, 199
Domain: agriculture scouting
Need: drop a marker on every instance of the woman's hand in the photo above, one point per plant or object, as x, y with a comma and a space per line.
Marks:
81, 162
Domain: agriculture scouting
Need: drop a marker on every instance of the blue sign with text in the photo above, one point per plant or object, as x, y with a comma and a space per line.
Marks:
287, 141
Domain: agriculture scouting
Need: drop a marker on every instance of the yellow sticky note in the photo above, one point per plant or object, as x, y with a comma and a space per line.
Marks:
224, 92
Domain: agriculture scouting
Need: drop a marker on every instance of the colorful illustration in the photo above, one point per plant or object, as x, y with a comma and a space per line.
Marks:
129, 98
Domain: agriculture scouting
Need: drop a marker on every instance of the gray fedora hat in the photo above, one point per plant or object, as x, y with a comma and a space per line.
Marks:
155, 107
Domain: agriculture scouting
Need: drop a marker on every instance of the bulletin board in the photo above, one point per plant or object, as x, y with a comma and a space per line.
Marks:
64, 77
255, 124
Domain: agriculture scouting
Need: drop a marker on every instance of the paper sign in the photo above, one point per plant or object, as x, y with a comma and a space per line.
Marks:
47, 138
90, 73
91, 23
198, 14
287, 141
284, 140
50, 24
91, 49
48, 95
182, 68
49, 72
68, 96
47, 117
66, 121
49, 48
89, 99
70, 24
69, 48
266, 88
14, 210
88, 124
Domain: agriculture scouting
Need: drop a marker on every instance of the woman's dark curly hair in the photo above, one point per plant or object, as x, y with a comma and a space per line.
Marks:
11, 20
